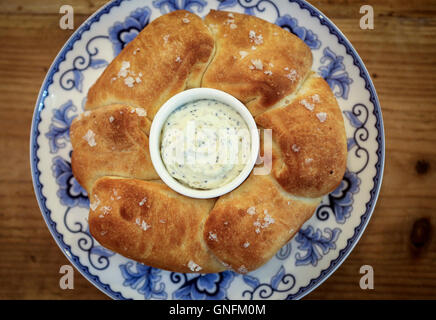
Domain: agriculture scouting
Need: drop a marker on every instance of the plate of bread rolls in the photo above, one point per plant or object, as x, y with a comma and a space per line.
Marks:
207, 149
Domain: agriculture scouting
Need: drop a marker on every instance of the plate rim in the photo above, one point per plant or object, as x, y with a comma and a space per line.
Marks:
313, 283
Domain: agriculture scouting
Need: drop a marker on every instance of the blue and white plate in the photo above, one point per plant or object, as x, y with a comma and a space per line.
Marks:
304, 263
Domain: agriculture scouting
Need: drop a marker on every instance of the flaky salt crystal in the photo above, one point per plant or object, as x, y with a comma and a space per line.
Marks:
322, 116
292, 75
140, 112
129, 81
193, 266
251, 210
94, 204
242, 269
257, 63
143, 201
308, 105
315, 98
90, 138
213, 236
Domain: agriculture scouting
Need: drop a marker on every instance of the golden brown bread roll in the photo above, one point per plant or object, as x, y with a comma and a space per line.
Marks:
255, 61
250, 224
167, 57
265, 67
310, 147
111, 141
149, 222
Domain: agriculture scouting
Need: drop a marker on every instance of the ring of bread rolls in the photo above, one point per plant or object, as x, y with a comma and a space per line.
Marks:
133, 213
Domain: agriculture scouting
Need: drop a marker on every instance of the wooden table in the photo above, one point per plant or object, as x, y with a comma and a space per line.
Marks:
399, 242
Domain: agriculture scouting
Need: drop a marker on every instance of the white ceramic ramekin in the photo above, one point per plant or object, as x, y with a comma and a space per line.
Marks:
156, 131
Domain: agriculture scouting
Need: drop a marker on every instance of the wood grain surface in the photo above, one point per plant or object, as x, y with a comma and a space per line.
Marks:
399, 242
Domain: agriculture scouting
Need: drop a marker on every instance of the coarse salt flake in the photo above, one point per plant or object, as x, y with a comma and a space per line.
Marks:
185, 20
243, 54
105, 209
115, 192
308, 105
242, 269
129, 81
258, 39
213, 236
322, 116
246, 244
257, 63
251, 210
292, 75
111, 119
142, 224
140, 112
315, 98
268, 220
143, 201
94, 204
295, 148
90, 138
193, 266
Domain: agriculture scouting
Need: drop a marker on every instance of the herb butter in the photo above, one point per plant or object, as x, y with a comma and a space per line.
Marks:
205, 144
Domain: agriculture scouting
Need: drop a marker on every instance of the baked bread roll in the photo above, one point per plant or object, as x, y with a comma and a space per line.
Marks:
111, 141
257, 62
150, 223
267, 68
309, 142
247, 226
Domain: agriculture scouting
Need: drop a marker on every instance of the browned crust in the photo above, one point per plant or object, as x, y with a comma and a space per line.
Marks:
319, 164
157, 59
121, 145
280, 52
148, 222
231, 222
